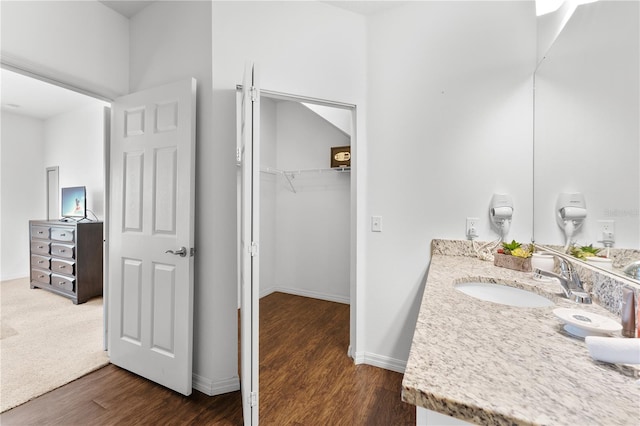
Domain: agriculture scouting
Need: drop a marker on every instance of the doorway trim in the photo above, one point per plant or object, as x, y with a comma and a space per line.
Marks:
16, 66
53, 192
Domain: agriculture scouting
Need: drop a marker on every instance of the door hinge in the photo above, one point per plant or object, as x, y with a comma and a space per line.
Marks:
253, 248
253, 399
238, 155
254, 93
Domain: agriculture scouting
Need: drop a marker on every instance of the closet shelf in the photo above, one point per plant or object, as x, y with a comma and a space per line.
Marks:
291, 174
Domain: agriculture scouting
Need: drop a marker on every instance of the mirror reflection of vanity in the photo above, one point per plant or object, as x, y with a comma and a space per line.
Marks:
587, 128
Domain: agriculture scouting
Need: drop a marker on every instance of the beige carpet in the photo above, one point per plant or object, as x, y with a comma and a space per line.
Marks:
46, 341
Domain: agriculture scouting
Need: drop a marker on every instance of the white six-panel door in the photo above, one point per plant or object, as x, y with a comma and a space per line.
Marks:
151, 234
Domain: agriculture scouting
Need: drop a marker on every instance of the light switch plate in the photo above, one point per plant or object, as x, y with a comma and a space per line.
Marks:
376, 223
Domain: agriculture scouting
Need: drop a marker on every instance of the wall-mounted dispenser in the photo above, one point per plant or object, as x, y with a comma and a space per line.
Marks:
571, 211
501, 212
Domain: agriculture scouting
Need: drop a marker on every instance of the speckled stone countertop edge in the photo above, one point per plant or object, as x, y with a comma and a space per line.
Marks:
430, 377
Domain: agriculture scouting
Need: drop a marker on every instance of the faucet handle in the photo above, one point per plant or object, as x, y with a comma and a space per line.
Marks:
581, 297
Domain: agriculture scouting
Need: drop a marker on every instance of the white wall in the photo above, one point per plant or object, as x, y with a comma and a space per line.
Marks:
304, 236
449, 124
549, 26
587, 127
75, 143
312, 224
23, 190
303, 48
268, 182
172, 41
83, 43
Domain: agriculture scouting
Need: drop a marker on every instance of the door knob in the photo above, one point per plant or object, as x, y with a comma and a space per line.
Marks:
182, 252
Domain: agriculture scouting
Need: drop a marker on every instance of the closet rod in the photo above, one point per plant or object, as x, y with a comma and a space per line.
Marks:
323, 170
291, 174
274, 171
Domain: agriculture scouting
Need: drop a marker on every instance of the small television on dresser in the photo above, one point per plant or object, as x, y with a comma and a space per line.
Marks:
74, 202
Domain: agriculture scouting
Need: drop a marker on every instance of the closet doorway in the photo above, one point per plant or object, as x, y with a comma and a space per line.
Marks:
307, 232
305, 203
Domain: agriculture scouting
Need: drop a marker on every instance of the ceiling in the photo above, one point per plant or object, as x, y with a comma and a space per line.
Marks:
28, 96
126, 8
366, 7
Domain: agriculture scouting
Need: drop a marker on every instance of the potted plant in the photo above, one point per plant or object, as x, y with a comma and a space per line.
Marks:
514, 256
583, 252
592, 255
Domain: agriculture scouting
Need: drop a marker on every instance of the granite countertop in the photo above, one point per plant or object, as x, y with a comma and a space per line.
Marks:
494, 364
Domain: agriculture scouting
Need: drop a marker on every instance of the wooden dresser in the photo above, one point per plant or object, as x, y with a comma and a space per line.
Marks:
66, 258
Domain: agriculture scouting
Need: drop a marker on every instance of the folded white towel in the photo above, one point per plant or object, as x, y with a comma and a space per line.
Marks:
616, 350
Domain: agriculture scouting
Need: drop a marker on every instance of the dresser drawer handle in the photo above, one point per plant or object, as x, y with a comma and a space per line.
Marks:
63, 234
40, 232
62, 250
40, 247
40, 261
40, 276
62, 266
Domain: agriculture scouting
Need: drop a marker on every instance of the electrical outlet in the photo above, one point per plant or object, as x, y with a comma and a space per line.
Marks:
472, 228
607, 231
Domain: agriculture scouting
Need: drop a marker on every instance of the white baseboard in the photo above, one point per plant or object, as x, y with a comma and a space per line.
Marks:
306, 293
218, 387
13, 277
388, 363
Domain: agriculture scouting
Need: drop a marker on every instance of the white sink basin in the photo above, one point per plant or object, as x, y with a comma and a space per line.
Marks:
504, 295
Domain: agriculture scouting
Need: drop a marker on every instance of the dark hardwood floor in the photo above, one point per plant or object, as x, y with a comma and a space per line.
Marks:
306, 378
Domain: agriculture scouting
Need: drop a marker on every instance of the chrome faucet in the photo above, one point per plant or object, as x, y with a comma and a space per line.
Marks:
569, 280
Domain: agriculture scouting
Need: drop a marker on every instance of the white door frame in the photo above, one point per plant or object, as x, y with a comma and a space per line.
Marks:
247, 157
105, 227
53, 195
354, 301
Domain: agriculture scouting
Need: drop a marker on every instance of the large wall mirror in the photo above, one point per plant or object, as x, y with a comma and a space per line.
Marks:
586, 123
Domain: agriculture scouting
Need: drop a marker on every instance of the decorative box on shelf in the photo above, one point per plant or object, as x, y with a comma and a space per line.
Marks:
340, 157
512, 262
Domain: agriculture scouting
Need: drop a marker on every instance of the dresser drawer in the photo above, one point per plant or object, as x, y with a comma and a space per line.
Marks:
41, 262
40, 232
63, 283
40, 247
63, 267
63, 250
41, 276
62, 234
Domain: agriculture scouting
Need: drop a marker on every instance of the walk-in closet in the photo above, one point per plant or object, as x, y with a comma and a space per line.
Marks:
305, 202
